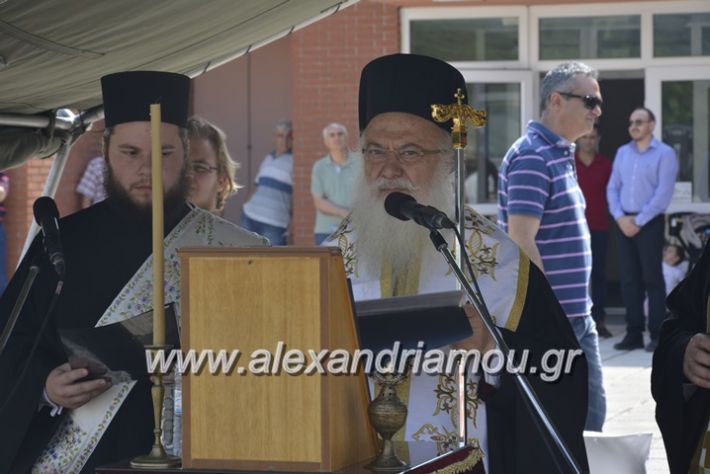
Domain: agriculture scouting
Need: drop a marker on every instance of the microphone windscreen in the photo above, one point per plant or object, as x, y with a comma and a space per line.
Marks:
45, 207
394, 203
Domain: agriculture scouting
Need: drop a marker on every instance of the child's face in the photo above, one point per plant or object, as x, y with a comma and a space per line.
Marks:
670, 255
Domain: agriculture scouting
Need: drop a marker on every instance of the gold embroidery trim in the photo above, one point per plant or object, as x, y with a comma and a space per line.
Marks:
410, 282
466, 464
521, 292
401, 285
386, 280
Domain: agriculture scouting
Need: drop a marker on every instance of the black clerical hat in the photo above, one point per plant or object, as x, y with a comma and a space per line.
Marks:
128, 96
407, 83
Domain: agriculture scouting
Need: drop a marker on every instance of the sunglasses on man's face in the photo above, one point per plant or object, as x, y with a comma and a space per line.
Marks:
637, 122
590, 101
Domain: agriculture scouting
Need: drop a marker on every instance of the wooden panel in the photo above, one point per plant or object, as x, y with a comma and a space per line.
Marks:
348, 396
271, 418
249, 299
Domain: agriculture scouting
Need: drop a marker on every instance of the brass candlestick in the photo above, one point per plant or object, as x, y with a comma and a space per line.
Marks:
387, 415
157, 458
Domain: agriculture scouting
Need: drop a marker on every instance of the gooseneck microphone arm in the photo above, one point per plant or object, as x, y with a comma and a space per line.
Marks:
47, 217
19, 303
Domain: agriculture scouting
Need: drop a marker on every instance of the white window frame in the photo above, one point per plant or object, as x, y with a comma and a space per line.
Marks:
528, 96
473, 13
528, 67
655, 76
644, 9
525, 78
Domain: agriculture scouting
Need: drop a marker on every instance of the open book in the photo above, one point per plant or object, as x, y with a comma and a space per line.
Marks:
117, 351
437, 319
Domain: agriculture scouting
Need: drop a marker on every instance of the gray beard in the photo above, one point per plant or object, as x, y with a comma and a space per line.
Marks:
380, 236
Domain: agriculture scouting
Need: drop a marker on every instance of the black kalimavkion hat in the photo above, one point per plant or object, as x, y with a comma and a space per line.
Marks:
128, 96
407, 83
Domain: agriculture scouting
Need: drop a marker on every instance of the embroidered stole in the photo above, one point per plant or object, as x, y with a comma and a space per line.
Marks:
400, 285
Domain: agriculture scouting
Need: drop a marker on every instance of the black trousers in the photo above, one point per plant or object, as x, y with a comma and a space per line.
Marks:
641, 272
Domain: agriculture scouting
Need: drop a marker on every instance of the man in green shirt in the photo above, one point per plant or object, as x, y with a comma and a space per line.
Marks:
332, 181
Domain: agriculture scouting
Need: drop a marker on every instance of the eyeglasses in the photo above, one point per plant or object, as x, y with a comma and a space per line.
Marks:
637, 122
590, 101
202, 168
406, 155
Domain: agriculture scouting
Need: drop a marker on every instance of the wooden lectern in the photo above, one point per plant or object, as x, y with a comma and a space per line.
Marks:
250, 299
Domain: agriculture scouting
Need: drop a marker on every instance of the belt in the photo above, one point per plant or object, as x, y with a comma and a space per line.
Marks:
631, 213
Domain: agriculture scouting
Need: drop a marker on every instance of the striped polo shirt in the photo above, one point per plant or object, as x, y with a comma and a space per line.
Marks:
271, 202
538, 178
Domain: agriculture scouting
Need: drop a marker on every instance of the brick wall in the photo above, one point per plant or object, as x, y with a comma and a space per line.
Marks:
26, 184
327, 58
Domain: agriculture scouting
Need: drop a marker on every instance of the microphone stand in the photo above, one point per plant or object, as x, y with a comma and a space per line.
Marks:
529, 396
19, 303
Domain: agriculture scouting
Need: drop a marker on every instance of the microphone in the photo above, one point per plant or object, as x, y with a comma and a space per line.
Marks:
405, 207
47, 217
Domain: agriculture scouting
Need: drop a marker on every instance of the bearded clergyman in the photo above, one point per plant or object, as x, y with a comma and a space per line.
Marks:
404, 150
55, 420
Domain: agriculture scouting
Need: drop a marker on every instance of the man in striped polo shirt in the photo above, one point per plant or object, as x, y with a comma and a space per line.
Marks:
541, 206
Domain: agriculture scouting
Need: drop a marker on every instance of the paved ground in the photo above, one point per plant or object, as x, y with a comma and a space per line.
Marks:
630, 407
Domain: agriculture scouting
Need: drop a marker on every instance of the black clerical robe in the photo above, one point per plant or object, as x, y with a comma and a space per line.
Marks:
682, 417
516, 444
103, 247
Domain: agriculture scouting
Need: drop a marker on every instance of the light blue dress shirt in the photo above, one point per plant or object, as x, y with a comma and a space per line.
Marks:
642, 182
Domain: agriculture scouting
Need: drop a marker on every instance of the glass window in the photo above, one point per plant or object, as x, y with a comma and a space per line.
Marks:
681, 35
590, 37
487, 145
686, 127
471, 39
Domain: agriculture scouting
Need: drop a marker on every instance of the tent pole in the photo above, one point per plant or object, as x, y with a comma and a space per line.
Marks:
61, 123
34, 121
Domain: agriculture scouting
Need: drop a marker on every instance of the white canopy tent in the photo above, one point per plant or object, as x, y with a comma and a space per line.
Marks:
53, 53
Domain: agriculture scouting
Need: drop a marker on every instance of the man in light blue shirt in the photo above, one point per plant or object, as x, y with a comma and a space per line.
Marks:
332, 181
639, 191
